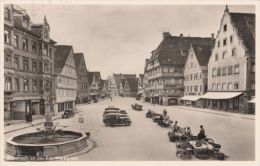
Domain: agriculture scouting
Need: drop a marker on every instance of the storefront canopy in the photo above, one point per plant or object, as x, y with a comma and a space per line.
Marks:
190, 98
252, 100
220, 95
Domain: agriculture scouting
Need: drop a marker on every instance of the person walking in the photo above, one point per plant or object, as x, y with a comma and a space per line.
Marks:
30, 118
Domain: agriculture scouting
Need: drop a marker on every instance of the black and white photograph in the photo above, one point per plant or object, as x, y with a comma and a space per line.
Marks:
167, 83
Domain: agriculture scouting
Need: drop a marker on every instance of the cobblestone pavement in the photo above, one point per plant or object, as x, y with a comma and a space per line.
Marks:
146, 141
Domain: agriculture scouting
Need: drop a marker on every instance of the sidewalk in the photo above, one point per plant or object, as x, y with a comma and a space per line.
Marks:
218, 112
205, 110
21, 124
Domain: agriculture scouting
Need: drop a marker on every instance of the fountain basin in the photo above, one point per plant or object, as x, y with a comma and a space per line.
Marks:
33, 144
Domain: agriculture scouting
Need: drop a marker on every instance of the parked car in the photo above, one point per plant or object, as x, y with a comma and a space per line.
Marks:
112, 119
68, 113
112, 109
137, 107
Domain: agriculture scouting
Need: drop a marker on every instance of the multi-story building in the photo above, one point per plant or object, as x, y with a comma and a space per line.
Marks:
104, 88
115, 82
82, 73
196, 74
164, 69
65, 78
94, 79
231, 68
28, 65
130, 87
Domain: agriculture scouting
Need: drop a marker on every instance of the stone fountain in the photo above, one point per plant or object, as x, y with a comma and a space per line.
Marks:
49, 141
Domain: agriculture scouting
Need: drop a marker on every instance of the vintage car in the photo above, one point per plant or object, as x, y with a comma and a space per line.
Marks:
112, 119
137, 107
111, 109
68, 113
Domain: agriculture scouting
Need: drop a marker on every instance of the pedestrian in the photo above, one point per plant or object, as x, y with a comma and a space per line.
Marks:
175, 127
201, 134
30, 118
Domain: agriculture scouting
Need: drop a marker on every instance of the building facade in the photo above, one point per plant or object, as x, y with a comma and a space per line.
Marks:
94, 79
65, 78
28, 66
141, 84
165, 68
82, 74
196, 75
231, 68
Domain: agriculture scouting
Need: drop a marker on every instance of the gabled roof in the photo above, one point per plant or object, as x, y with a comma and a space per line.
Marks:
91, 75
202, 53
173, 49
141, 76
132, 83
245, 25
60, 56
79, 57
117, 78
123, 83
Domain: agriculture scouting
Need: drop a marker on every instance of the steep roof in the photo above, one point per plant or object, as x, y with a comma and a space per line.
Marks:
60, 56
141, 76
202, 53
245, 25
133, 84
91, 75
117, 78
123, 83
79, 57
173, 49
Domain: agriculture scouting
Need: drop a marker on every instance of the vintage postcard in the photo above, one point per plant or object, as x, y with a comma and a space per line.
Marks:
129, 82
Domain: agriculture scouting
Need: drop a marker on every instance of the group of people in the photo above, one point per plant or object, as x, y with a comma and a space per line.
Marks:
186, 131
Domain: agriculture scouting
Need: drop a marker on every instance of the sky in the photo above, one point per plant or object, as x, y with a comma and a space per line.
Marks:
118, 38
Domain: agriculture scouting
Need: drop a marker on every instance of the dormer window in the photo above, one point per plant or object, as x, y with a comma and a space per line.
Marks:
225, 27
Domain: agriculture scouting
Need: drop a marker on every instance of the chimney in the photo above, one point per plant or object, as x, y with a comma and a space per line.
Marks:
212, 36
181, 35
166, 34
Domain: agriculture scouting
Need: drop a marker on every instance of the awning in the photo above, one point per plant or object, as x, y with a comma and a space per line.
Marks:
191, 98
252, 100
221, 95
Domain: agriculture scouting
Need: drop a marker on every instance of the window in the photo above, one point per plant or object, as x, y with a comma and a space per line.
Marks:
34, 47
196, 88
253, 68
216, 57
16, 41
25, 64
231, 38
8, 61
45, 50
40, 85
16, 84
224, 55
236, 86
230, 86
252, 86
233, 52
225, 27
34, 85
7, 37
165, 69
218, 43
26, 85
191, 65
34, 66
16, 62
8, 83
46, 68
213, 87
219, 72
25, 44
236, 69
224, 71
224, 42
50, 52
224, 86
230, 70
214, 72
219, 87
7, 14
201, 88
